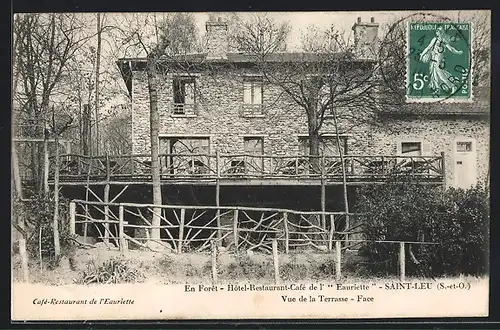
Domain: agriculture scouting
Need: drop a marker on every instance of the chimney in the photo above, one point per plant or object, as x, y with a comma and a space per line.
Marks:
217, 39
365, 39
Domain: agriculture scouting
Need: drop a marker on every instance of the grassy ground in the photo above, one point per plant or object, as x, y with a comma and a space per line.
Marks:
194, 267
171, 268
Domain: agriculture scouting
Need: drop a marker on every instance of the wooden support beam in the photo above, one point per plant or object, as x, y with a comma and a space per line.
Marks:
181, 230
72, 218
323, 193
287, 232
332, 230
235, 229
213, 250
402, 270
217, 195
121, 230
338, 261
106, 200
276, 262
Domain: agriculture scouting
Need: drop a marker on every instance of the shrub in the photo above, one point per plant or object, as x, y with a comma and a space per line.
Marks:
114, 271
246, 267
39, 214
457, 219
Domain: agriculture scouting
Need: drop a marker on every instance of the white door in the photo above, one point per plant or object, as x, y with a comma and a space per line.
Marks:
465, 172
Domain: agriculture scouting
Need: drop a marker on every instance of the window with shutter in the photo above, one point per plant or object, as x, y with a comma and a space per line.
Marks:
184, 90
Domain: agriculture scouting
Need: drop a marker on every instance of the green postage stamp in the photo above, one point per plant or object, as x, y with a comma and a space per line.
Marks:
439, 63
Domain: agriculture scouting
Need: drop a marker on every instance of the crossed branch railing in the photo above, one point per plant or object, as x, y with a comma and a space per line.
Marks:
213, 166
191, 228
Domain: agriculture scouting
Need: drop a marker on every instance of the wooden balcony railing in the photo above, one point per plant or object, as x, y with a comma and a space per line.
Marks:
234, 166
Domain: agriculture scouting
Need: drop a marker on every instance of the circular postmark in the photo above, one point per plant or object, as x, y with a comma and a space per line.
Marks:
427, 58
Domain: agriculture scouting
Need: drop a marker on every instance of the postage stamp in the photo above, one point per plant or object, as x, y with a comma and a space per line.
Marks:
439, 62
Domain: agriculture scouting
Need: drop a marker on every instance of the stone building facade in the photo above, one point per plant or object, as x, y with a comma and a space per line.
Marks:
223, 105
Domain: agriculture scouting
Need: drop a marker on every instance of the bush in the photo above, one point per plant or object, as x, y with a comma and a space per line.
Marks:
113, 271
246, 267
39, 216
457, 219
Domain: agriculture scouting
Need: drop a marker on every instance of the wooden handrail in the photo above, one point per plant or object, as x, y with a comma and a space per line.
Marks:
228, 208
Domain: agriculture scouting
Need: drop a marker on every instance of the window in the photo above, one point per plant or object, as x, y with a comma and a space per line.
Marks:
186, 155
184, 95
327, 145
411, 148
254, 146
252, 90
464, 146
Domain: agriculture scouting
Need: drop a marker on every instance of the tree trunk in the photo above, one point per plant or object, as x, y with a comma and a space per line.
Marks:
154, 131
20, 216
55, 224
97, 69
344, 174
45, 163
314, 139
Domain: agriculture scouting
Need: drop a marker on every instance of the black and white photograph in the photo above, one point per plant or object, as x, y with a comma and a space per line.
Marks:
243, 165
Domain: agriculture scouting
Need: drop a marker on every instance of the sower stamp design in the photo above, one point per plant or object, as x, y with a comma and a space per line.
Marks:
439, 62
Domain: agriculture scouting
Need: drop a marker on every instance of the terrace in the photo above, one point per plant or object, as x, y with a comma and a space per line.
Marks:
247, 169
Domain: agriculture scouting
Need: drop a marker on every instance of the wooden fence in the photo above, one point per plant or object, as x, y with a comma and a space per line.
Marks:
191, 228
200, 228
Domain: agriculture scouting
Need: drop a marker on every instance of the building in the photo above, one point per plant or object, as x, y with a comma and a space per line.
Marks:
218, 103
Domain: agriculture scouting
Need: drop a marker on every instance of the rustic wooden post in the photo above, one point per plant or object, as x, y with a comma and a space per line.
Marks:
271, 169
443, 169
332, 230
287, 232
402, 261
106, 200
323, 193
346, 236
213, 249
217, 195
235, 230
121, 232
85, 225
338, 260
276, 262
181, 230
383, 165
72, 218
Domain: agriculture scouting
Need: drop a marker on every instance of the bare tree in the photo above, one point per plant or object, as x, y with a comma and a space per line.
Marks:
46, 44
330, 83
153, 41
259, 35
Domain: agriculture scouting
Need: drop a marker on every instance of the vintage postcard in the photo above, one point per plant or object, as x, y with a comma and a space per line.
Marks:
247, 165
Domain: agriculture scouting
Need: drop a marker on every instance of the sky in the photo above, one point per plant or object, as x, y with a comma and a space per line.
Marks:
342, 21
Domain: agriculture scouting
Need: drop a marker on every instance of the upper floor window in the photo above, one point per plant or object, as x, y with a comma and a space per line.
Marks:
252, 96
252, 90
184, 89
